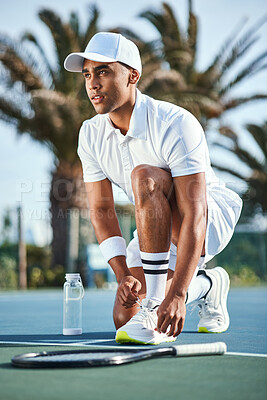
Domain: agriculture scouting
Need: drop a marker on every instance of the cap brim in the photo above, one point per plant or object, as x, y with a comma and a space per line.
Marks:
74, 61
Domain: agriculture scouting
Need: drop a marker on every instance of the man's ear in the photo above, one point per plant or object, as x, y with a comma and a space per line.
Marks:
134, 76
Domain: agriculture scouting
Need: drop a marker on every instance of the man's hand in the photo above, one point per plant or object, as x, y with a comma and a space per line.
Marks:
171, 313
128, 290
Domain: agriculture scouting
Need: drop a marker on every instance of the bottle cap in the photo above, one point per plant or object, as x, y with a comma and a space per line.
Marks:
72, 277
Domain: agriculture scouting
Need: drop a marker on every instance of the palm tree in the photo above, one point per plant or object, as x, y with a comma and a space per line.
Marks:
49, 104
207, 94
256, 160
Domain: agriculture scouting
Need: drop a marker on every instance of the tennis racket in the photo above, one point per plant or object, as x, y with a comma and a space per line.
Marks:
96, 358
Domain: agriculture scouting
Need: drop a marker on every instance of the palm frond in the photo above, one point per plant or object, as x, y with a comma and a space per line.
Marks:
236, 53
64, 38
173, 24
155, 19
213, 70
252, 68
238, 101
243, 155
92, 25
192, 32
13, 57
257, 178
224, 62
198, 104
65, 42
228, 132
29, 37
74, 23
228, 170
165, 81
259, 134
166, 24
56, 121
9, 111
249, 159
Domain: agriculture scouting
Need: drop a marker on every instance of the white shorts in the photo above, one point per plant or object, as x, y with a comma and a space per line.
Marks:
224, 208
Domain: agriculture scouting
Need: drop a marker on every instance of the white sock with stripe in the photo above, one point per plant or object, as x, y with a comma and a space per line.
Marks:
155, 267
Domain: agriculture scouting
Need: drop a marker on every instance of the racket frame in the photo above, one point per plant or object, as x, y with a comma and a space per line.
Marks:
114, 356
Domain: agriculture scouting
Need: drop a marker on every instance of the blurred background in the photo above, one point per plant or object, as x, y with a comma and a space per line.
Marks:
207, 56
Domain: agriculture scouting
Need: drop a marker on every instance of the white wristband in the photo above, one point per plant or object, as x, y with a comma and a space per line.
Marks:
112, 247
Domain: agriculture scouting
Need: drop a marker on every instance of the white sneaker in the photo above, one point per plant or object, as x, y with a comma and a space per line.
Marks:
214, 317
141, 327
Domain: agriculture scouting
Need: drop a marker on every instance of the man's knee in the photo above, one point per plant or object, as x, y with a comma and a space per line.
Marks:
148, 180
142, 178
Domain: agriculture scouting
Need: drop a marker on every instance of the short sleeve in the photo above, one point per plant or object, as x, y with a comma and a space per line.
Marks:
92, 171
184, 146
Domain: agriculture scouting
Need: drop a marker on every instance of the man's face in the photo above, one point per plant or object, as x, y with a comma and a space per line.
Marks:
107, 85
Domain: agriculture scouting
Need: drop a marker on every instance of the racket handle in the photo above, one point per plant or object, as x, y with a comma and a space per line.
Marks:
201, 349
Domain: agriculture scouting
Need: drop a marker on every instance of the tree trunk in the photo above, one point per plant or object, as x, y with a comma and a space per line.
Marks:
22, 254
67, 193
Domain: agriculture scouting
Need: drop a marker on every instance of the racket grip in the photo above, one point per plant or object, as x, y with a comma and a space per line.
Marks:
201, 349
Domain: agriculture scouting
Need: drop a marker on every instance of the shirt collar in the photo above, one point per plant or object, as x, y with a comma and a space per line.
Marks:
138, 121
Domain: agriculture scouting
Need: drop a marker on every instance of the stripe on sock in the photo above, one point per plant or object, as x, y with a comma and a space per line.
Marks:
155, 262
155, 271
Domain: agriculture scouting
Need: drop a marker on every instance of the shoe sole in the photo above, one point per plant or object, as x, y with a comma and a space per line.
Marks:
224, 293
123, 337
202, 329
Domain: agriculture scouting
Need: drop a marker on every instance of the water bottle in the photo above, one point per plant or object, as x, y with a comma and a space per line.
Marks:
72, 305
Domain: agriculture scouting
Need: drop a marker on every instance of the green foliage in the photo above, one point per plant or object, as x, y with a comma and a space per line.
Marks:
10, 250
39, 270
7, 226
8, 274
245, 258
41, 277
257, 180
244, 276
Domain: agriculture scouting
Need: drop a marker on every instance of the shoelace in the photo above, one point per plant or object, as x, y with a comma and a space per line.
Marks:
146, 314
207, 310
192, 306
204, 308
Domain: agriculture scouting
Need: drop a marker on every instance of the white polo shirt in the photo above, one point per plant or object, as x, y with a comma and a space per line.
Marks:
160, 134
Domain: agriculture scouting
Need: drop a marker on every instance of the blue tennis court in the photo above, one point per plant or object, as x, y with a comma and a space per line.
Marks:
32, 321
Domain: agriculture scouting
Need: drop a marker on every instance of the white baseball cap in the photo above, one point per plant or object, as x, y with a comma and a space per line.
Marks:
106, 47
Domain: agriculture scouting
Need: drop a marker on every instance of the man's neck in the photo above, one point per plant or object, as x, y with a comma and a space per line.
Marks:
121, 117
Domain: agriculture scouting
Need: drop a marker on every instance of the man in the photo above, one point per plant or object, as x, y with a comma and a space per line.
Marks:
157, 153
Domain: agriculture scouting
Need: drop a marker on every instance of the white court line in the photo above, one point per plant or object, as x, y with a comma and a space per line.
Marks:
229, 353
